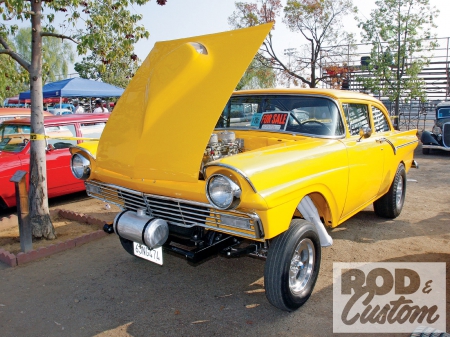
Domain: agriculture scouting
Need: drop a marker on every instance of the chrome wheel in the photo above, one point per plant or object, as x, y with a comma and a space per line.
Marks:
399, 194
302, 266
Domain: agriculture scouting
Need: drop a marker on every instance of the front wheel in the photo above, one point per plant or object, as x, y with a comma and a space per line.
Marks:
127, 245
390, 205
292, 266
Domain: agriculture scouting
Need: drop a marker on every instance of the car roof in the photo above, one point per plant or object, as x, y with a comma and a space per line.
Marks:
333, 93
443, 104
72, 118
18, 112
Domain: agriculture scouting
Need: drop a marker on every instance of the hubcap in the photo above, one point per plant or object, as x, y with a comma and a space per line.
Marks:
399, 194
302, 266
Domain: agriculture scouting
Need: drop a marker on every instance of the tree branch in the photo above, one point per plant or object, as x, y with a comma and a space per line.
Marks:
8, 51
60, 36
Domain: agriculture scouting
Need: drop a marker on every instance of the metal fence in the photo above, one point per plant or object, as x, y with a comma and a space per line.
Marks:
413, 114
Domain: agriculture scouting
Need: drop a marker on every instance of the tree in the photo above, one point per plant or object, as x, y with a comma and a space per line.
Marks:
114, 72
318, 22
257, 76
105, 28
56, 54
13, 79
399, 30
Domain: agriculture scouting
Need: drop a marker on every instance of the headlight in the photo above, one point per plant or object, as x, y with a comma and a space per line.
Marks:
222, 192
80, 166
436, 130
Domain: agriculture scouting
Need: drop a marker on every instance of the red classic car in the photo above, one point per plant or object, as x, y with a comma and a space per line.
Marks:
15, 151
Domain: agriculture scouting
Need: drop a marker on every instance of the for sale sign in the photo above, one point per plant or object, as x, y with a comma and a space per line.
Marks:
274, 120
388, 297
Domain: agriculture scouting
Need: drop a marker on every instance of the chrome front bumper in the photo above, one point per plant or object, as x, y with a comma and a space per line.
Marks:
436, 147
179, 212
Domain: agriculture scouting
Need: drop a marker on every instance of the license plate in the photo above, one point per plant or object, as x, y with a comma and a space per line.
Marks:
152, 255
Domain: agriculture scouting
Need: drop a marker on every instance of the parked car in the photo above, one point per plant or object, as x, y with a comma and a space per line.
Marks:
439, 137
15, 147
60, 112
12, 113
69, 106
193, 181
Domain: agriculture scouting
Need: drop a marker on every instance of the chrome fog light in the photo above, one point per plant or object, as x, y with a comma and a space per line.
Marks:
222, 192
80, 166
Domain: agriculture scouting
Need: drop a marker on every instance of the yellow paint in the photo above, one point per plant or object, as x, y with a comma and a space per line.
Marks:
163, 120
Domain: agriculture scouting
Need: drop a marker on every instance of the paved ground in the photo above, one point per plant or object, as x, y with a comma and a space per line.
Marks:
100, 290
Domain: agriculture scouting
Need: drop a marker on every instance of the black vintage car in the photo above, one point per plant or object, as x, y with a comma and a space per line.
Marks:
439, 137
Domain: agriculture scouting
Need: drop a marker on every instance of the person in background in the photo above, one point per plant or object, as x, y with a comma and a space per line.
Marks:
99, 107
78, 108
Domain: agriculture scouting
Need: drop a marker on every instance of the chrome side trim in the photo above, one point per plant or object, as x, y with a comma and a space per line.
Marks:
381, 140
406, 144
395, 148
242, 174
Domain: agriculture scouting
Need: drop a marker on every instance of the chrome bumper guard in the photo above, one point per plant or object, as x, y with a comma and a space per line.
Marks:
179, 212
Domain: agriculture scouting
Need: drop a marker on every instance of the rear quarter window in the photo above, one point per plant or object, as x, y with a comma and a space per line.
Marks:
92, 130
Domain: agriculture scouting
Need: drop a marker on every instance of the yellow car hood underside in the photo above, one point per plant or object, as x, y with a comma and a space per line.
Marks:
161, 124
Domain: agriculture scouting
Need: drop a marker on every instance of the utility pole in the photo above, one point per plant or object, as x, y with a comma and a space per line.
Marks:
289, 52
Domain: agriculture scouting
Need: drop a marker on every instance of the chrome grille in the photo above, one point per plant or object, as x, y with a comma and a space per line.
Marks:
175, 211
446, 134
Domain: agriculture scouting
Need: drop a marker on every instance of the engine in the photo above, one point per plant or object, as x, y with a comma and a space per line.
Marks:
222, 144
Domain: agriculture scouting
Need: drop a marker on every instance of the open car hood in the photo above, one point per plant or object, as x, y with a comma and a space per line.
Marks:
161, 125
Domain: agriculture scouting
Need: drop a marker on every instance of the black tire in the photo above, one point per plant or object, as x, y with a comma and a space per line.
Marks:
127, 245
390, 205
425, 151
289, 292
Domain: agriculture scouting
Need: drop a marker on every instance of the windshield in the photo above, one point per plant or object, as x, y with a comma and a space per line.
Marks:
317, 116
443, 113
14, 138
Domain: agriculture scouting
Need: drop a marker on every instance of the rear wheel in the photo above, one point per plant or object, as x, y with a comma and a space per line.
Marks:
292, 266
390, 205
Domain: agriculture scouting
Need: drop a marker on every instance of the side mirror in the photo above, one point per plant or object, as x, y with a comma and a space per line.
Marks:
364, 132
50, 147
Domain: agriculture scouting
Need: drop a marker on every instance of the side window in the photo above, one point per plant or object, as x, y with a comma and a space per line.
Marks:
57, 135
92, 130
379, 120
357, 117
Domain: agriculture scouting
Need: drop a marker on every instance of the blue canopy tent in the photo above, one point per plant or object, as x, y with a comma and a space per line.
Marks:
77, 87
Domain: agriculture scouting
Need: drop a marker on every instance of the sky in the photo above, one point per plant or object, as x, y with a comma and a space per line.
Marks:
184, 18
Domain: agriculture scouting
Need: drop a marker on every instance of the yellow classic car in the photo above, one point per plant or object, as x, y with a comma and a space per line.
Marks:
264, 173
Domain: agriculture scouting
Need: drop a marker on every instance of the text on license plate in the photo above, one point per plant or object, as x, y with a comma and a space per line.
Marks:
153, 255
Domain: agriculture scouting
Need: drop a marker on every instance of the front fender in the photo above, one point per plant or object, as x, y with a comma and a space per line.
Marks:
429, 138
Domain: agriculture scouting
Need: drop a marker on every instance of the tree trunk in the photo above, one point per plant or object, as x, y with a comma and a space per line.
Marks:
397, 113
38, 197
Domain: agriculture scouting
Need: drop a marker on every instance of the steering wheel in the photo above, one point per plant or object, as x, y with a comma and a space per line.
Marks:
317, 122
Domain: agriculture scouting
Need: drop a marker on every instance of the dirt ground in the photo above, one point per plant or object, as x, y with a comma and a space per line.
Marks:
65, 229
100, 290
